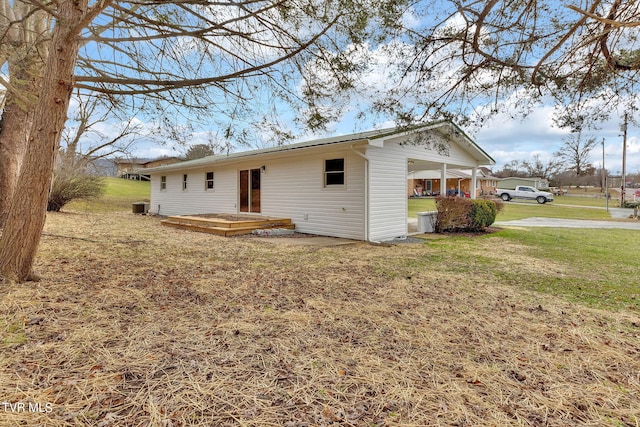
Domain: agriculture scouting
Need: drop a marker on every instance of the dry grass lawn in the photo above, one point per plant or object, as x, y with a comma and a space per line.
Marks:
135, 324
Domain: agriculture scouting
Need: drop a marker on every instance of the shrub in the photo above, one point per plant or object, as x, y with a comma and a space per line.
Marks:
482, 214
457, 214
68, 187
452, 214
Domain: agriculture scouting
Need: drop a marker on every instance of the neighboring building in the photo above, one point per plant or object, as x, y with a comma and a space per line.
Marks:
136, 168
487, 183
427, 183
351, 186
512, 182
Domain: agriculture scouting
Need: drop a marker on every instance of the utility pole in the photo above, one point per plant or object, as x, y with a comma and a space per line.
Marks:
605, 186
602, 171
624, 160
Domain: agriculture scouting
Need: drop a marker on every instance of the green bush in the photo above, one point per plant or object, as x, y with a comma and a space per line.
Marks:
482, 214
628, 204
458, 214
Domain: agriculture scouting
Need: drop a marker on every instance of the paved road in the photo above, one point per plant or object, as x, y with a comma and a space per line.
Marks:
616, 213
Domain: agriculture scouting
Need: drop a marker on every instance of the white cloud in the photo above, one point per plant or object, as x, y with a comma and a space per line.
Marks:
507, 139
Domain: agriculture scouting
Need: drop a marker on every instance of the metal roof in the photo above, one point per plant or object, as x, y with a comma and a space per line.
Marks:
339, 139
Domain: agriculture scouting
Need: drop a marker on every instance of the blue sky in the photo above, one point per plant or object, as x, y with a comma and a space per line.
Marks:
504, 138
507, 139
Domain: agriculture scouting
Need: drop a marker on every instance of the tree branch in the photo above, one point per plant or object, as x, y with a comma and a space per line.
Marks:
149, 86
607, 21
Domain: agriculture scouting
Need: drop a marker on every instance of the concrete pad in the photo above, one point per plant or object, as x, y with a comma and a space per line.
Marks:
319, 241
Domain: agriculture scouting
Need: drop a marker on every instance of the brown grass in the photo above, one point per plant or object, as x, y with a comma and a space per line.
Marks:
135, 324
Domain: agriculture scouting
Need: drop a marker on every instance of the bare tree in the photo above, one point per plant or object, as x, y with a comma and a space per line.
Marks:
513, 168
190, 55
470, 59
91, 112
575, 153
83, 144
536, 167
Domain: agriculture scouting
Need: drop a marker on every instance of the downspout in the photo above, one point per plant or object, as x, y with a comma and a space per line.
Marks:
366, 193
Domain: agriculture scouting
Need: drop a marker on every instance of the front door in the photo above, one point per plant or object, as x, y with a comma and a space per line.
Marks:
250, 190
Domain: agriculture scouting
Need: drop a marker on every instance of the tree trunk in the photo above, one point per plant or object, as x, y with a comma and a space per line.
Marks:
28, 38
25, 73
13, 142
23, 227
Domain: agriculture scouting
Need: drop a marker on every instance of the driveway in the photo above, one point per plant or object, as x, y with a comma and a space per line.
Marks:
616, 213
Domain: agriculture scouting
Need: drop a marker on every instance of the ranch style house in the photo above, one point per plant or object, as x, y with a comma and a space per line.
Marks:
351, 186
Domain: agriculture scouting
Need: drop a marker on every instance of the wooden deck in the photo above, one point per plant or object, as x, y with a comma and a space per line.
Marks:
226, 224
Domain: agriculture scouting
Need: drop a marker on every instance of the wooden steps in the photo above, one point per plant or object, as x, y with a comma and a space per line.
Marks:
223, 226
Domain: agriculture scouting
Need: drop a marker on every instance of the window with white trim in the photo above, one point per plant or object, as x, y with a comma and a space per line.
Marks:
184, 182
333, 172
208, 181
163, 183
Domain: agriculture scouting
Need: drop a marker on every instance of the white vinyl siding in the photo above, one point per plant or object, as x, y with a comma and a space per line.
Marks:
388, 167
388, 198
294, 188
197, 200
291, 187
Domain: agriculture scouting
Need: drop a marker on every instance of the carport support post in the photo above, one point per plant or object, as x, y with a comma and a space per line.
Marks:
474, 182
443, 180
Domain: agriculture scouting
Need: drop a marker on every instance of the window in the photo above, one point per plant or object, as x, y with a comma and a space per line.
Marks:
334, 172
184, 182
163, 183
208, 182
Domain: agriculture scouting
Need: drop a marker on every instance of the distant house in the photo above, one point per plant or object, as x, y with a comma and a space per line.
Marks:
351, 186
458, 182
487, 183
136, 168
428, 183
512, 182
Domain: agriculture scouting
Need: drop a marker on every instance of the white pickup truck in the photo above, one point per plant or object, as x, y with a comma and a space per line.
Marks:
525, 192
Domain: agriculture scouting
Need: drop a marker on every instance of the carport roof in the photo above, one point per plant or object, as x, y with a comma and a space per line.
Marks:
435, 174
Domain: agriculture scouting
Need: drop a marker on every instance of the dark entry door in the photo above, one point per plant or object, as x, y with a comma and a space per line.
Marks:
250, 190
